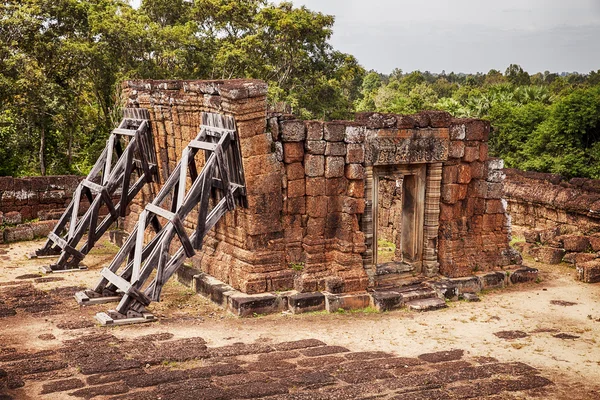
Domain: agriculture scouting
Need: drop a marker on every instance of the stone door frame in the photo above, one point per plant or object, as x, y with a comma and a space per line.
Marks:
429, 178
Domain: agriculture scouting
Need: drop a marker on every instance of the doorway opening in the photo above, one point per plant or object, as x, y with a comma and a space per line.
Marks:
398, 214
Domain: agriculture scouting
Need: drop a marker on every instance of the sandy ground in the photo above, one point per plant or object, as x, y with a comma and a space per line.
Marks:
555, 305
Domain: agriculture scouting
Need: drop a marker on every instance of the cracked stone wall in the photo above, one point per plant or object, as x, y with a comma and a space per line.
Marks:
309, 221
539, 200
32, 197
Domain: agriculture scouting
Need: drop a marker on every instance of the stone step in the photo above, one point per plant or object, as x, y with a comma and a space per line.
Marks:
426, 304
394, 298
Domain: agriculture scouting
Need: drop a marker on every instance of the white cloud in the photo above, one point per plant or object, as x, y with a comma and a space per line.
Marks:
467, 35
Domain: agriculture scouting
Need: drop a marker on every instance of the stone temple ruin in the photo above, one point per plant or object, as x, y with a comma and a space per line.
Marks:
386, 210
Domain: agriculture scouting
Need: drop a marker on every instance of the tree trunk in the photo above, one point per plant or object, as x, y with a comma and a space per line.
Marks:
42, 147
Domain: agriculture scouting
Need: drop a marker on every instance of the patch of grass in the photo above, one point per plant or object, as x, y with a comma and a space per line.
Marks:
297, 266
170, 364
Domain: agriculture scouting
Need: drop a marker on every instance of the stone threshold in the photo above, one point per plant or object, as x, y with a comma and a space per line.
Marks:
431, 294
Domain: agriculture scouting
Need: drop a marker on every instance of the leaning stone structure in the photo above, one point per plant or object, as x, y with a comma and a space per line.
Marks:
313, 192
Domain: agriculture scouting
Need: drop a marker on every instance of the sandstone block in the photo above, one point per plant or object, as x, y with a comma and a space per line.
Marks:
595, 241
355, 171
293, 152
314, 130
575, 243
483, 151
355, 134
306, 302
13, 218
495, 191
336, 186
548, 255
523, 275
293, 131
294, 171
356, 188
532, 236
296, 205
18, 233
315, 146
316, 206
334, 132
471, 154
450, 193
315, 186
458, 132
42, 228
589, 272
296, 188
456, 149
334, 167
579, 258
279, 151
449, 173
547, 235
495, 164
477, 130
355, 153
478, 170
494, 206
496, 176
314, 165
273, 127
464, 173
315, 226
335, 149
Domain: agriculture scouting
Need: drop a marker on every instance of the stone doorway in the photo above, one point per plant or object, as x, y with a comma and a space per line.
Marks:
398, 213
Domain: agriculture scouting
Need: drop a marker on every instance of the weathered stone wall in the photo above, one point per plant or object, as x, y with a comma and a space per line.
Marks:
31, 196
538, 200
474, 224
309, 224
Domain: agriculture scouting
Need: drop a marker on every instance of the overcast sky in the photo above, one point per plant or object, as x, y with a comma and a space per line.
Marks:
466, 35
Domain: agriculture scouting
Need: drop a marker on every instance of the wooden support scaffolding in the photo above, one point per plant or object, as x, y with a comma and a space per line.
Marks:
218, 188
135, 166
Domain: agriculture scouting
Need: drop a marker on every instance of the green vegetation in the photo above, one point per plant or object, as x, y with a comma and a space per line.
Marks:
544, 122
61, 62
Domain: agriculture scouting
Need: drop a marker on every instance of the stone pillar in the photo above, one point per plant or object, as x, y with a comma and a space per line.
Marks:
432, 217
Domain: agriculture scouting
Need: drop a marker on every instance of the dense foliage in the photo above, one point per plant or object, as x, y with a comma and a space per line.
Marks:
545, 122
61, 62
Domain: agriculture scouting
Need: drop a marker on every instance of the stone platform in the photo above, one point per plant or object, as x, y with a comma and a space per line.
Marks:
415, 294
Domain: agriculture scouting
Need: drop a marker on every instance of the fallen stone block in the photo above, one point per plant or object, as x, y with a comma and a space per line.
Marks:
547, 235
470, 297
306, 302
445, 289
12, 218
578, 258
523, 275
548, 255
42, 228
589, 272
493, 280
532, 236
595, 241
18, 233
575, 243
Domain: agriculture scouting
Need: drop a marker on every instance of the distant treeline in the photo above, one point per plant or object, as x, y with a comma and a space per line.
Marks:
61, 62
544, 122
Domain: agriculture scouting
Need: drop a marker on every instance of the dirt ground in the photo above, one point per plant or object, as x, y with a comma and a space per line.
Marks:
538, 340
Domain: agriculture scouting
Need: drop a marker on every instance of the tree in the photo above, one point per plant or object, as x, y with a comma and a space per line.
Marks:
516, 75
